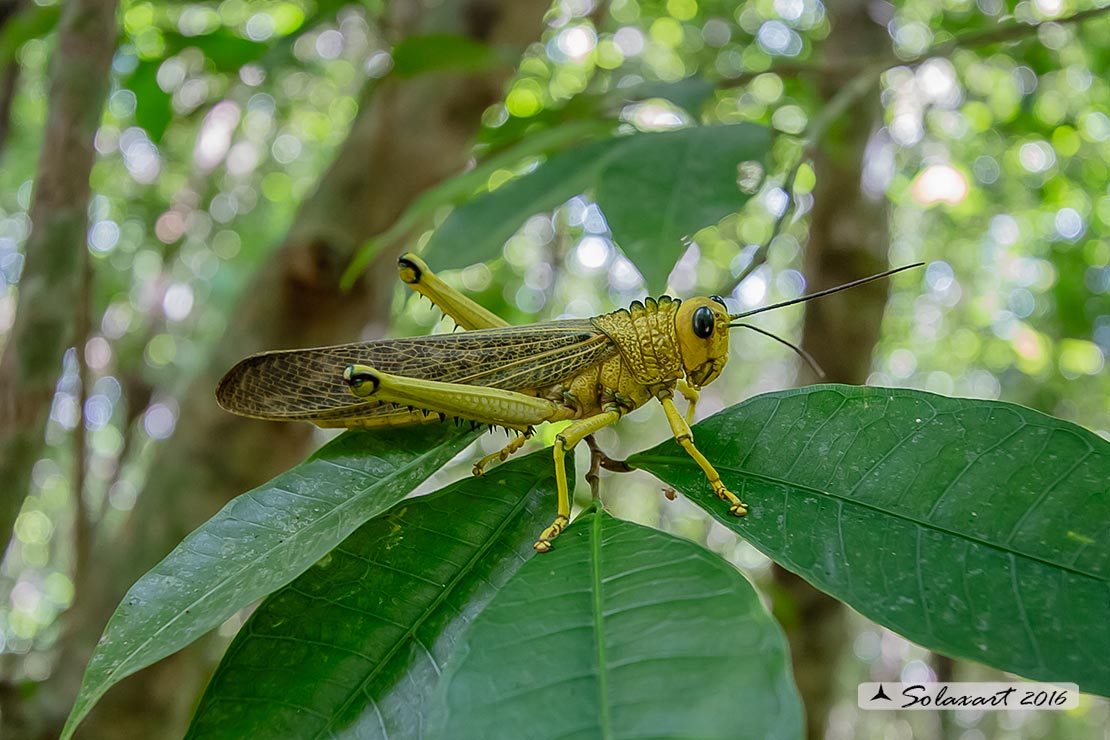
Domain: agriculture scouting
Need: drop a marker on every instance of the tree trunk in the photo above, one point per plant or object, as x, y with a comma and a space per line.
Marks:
50, 285
408, 135
848, 239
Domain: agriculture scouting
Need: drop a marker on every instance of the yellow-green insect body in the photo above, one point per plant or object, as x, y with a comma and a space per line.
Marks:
587, 371
656, 348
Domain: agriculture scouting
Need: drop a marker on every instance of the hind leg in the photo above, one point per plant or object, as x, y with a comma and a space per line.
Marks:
465, 312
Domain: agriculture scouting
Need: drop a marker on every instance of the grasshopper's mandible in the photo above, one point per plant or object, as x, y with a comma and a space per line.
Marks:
588, 371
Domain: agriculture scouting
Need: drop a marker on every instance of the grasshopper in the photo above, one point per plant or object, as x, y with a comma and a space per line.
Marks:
590, 372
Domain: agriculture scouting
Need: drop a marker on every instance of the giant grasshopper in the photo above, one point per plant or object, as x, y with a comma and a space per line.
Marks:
587, 371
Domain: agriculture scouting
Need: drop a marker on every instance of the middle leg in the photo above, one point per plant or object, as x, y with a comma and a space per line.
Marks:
564, 442
502, 454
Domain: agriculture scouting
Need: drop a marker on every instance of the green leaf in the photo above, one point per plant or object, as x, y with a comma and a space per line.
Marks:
654, 189
476, 230
352, 648
259, 542
420, 54
689, 93
975, 528
225, 49
621, 632
458, 188
153, 105
664, 187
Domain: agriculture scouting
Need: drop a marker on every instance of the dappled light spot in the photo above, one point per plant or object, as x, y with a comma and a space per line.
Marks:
161, 350
593, 253
752, 291
1079, 357
576, 42
1069, 224
103, 236
159, 421
623, 275
629, 40
1036, 156
775, 37
1004, 230
178, 302
215, 134
524, 99
940, 183
260, 27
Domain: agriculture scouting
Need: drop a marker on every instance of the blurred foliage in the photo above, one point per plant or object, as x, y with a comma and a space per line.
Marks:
224, 113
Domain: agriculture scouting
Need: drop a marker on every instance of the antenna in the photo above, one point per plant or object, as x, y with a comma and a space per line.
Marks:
830, 291
801, 352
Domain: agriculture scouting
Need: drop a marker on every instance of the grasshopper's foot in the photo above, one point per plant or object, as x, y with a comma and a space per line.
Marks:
543, 544
503, 454
737, 508
480, 466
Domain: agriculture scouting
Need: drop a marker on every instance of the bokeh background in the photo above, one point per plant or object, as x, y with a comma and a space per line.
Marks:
242, 151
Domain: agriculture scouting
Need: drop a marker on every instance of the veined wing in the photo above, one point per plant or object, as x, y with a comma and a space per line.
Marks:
307, 384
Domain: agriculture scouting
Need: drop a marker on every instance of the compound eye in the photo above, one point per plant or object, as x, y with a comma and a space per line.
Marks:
718, 299
703, 322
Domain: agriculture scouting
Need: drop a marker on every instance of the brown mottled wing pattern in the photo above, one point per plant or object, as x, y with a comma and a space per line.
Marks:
307, 384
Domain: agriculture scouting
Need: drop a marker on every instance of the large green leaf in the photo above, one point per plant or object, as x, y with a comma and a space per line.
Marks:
663, 187
352, 648
979, 529
476, 230
689, 93
621, 632
458, 188
654, 189
260, 541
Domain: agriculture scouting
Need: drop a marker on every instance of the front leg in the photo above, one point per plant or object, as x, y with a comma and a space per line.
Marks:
685, 437
690, 393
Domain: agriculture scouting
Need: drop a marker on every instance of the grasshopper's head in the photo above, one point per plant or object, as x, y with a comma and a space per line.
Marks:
701, 325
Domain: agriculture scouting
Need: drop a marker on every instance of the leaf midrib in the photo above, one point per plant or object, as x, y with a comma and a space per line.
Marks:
681, 463
469, 566
599, 627
672, 197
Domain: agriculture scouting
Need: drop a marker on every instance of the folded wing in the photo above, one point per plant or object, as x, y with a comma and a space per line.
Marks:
307, 384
